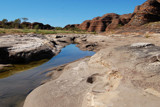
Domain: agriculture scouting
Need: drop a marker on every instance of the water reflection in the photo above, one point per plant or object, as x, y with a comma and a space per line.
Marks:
15, 88
17, 68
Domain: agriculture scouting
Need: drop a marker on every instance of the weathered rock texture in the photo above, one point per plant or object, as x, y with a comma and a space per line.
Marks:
85, 25
106, 22
121, 74
26, 48
145, 13
31, 47
124, 76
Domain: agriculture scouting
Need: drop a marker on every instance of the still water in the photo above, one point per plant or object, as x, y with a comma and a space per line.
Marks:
15, 88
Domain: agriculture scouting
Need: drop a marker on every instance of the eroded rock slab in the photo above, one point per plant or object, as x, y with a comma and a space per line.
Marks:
24, 48
31, 47
116, 76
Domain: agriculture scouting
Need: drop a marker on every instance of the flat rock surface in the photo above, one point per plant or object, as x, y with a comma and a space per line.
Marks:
123, 73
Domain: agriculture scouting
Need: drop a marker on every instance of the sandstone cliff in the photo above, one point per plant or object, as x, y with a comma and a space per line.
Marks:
147, 12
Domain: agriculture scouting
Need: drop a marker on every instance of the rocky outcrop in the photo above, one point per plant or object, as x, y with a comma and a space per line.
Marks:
85, 25
24, 48
145, 13
123, 73
100, 24
95, 25
106, 22
115, 22
125, 18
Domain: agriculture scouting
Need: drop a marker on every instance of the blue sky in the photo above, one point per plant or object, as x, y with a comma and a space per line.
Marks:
63, 12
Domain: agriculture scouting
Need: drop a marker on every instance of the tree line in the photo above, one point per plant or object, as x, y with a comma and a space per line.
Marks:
21, 23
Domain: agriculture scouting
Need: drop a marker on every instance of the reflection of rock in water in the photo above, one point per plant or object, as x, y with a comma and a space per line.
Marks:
18, 49
15, 88
8, 70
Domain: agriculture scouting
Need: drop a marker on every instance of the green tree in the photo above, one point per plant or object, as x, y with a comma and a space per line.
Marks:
58, 28
17, 23
24, 19
36, 27
4, 23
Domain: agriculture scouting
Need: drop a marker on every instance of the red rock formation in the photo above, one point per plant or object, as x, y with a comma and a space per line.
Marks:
125, 18
106, 22
114, 24
136, 9
112, 20
95, 25
145, 13
85, 25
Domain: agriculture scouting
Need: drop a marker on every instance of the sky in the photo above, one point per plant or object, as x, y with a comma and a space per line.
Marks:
62, 12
